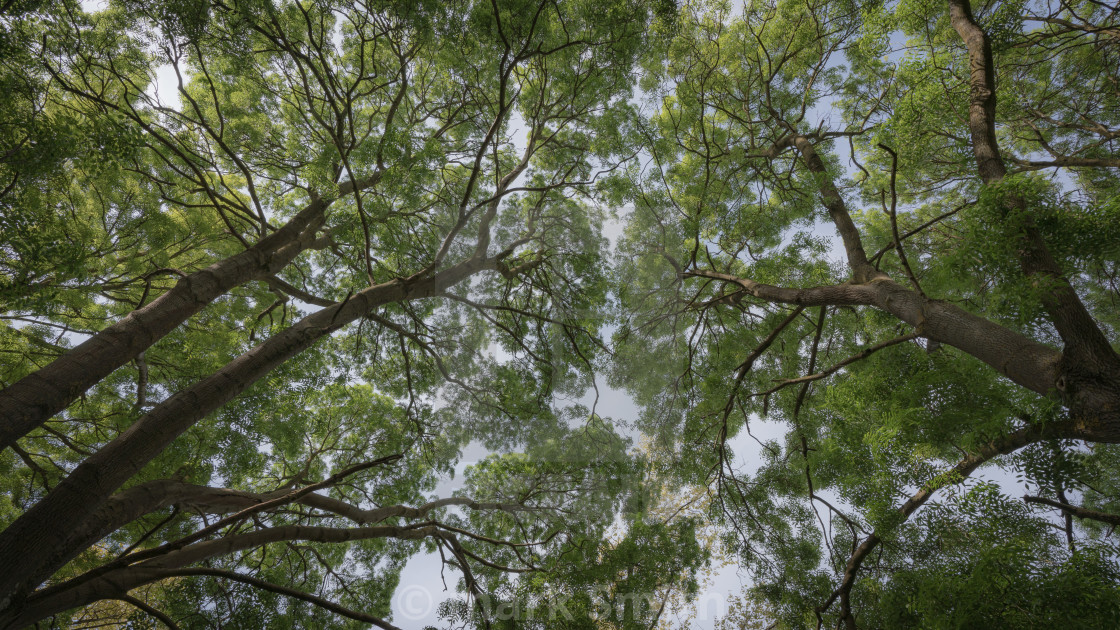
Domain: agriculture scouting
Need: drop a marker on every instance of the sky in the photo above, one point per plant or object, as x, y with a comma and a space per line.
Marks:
421, 588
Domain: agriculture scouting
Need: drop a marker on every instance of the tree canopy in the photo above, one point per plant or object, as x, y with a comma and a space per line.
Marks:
267, 267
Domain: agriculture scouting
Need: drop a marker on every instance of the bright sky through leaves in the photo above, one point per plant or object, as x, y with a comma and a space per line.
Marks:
562, 314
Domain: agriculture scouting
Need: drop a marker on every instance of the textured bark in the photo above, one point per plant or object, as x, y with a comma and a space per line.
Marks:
44, 531
32, 400
1086, 373
1021, 359
1089, 379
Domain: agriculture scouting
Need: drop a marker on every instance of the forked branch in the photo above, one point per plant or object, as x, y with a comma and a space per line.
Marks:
1001, 446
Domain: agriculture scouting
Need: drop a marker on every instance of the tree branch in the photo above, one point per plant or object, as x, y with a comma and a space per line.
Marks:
1087, 349
32, 400
109, 585
862, 270
1006, 444
1079, 512
1016, 356
840, 294
863, 354
323, 603
158, 614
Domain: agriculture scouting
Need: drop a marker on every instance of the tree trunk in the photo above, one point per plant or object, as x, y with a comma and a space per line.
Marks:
1089, 374
38, 541
32, 400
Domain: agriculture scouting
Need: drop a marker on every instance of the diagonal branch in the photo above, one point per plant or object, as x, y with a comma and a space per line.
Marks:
150, 610
859, 356
909, 233
893, 214
79, 592
862, 269
321, 602
44, 527
1083, 339
1001, 446
1067, 162
32, 400
127, 506
1016, 356
1079, 512
840, 294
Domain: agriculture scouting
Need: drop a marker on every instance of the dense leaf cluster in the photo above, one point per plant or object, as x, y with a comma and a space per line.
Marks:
269, 268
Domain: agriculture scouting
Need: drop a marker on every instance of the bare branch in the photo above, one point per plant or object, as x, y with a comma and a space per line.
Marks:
321, 602
1079, 512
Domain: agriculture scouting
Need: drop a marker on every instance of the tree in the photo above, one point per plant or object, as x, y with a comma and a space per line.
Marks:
256, 312
973, 316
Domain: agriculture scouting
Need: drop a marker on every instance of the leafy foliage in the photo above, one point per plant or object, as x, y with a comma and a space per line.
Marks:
267, 269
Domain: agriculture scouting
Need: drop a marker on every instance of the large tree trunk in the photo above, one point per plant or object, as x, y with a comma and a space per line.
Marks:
1026, 362
1089, 378
1086, 374
32, 400
40, 540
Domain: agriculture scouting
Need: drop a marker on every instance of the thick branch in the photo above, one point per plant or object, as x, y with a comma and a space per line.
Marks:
32, 400
39, 533
126, 506
1087, 349
862, 270
1069, 162
1016, 356
115, 583
1079, 512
